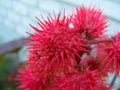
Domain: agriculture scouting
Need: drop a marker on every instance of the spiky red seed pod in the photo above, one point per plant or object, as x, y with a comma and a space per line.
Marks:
86, 80
90, 22
27, 80
112, 55
56, 42
111, 60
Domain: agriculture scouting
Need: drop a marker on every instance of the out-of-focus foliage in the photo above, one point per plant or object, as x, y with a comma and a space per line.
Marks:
9, 63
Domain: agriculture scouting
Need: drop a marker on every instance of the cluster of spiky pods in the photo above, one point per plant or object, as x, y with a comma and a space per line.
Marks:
71, 53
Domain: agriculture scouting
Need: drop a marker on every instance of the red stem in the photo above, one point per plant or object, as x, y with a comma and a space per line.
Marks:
100, 41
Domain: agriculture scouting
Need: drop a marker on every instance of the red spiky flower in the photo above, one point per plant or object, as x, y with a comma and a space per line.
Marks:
89, 22
86, 80
53, 51
112, 58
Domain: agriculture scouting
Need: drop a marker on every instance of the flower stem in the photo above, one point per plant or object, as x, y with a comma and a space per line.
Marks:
113, 80
99, 41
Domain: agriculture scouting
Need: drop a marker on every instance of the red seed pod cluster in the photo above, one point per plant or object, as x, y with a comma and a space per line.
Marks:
62, 57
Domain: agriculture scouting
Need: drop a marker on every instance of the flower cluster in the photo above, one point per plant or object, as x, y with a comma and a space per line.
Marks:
62, 57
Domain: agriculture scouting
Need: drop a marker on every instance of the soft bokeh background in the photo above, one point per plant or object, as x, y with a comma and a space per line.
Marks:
15, 17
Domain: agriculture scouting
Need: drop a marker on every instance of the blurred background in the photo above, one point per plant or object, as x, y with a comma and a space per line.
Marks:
15, 17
